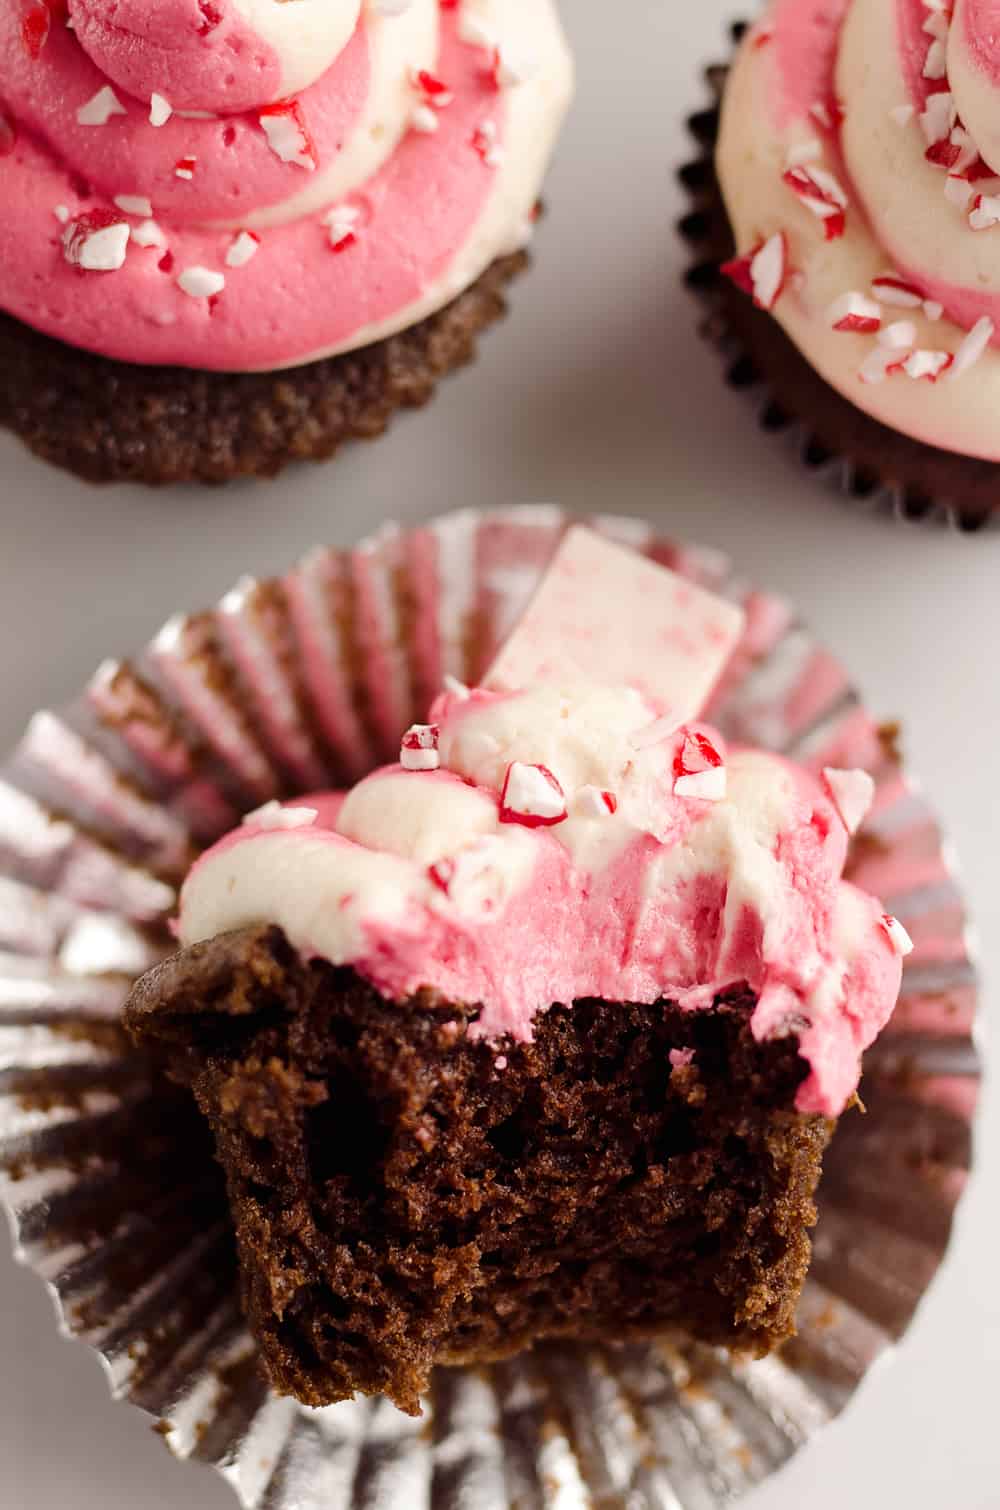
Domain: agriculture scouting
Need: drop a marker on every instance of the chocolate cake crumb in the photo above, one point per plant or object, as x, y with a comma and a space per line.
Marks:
400, 1204
110, 421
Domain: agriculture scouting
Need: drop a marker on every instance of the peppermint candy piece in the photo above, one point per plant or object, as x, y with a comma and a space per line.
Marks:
418, 750
898, 937
532, 796
852, 794
97, 241
273, 816
699, 770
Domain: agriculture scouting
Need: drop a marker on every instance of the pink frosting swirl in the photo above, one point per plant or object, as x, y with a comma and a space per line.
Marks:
345, 172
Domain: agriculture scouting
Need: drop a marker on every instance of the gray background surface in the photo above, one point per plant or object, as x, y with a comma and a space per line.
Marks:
597, 394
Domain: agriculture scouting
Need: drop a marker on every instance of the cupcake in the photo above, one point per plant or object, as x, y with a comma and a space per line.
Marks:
237, 234
844, 240
541, 1030
305, 683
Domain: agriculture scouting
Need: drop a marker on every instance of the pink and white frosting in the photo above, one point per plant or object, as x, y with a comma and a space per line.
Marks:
859, 158
568, 840
244, 185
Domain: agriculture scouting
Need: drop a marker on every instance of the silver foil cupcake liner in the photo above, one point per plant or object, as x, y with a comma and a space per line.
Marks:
107, 1171
865, 487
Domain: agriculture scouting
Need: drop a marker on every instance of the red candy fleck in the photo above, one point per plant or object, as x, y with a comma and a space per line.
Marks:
211, 17
435, 89
35, 28
821, 193
763, 272
944, 154
441, 873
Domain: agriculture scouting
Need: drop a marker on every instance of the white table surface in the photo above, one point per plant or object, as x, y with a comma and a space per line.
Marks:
596, 394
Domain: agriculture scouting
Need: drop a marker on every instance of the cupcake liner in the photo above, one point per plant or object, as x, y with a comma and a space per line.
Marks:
870, 466
107, 1170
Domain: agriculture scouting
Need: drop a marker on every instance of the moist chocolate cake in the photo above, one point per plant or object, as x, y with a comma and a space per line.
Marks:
404, 1196
108, 422
541, 1031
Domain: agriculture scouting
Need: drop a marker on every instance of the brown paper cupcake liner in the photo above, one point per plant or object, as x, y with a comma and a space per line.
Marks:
870, 465
107, 1171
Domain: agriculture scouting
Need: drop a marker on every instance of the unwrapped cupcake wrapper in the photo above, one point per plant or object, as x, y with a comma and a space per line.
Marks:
308, 680
862, 485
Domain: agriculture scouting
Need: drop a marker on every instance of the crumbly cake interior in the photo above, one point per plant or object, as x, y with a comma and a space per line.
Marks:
405, 1197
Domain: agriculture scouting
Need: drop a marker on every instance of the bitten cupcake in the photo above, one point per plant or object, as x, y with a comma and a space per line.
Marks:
541, 1030
854, 210
235, 234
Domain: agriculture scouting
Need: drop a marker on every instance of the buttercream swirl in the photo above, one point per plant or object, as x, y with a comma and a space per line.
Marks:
250, 184
860, 145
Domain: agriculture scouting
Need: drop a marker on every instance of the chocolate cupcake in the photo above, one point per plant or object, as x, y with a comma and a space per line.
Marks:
843, 232
540, 1031
238, 234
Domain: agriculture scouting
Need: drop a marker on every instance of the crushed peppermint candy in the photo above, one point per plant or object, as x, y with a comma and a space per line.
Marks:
242, 247
134, 204
808, 151
593, 802
985, 212
958, 190
699, 770
96, 241
201, 282
763, 272
510, 68
898, 937
185, 168
424, 119
160, 110
99, 110
531, 796
288, 136
822, 195
972, 347
902, 114
899, 335
938, 117
434, 91
927, 364
147, 233
936, 63
890, 288
933, 309
852, 794
274, 815
829, 115
855, 312
342, 226
485, 144
418, 750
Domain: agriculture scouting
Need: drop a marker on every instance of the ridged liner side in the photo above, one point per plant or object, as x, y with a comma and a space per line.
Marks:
103, 805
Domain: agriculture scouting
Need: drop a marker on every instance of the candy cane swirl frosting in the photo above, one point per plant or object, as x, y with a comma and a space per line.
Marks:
245, 185
860, 141
563, 842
